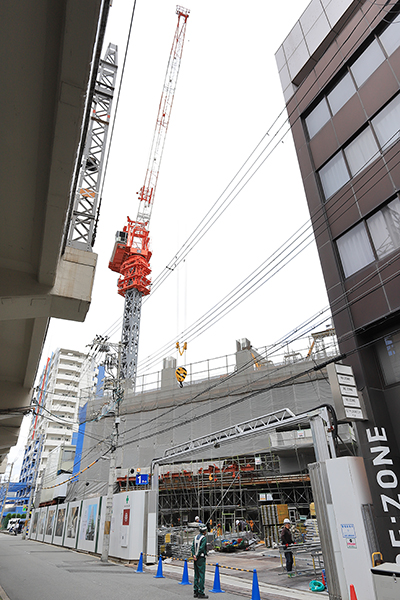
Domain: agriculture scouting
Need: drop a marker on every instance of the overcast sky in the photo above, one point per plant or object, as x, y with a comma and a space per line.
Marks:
228, 95
227, 98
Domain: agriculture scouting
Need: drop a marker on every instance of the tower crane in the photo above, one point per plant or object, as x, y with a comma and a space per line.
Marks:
131, 253
82, 227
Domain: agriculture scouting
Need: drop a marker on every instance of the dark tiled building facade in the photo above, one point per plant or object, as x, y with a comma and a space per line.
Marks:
340, 71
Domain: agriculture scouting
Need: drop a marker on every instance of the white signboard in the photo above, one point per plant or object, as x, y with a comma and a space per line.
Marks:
346, 399
348, 530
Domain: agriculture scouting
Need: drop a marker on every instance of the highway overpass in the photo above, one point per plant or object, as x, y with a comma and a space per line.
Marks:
50, 51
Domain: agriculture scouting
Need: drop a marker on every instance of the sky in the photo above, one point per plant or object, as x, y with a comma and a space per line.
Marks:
227, 98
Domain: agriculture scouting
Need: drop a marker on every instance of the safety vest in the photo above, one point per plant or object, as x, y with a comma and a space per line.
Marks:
197, 542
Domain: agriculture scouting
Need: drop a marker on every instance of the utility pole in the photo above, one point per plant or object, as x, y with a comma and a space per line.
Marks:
116, 400
110, 494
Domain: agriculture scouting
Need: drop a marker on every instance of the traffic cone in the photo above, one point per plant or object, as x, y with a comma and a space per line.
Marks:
353, 595
185, 576
159, 569
217, 585
255, 590
140, 565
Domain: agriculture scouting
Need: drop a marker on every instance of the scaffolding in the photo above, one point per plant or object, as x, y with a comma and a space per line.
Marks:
221, 492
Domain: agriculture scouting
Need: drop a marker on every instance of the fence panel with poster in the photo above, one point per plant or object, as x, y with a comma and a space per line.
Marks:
88, 529
72, 524
49, 527
60, 522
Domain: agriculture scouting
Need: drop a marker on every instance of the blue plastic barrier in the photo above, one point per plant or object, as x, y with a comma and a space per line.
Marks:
217, 585
255, 590
185, 576
140, 565
159, 569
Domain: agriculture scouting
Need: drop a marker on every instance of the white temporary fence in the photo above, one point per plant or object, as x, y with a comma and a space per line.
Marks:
80, 525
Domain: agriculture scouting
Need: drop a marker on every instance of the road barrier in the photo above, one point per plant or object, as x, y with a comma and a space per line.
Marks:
185, 576
255, 590
353, 595
311, 554
217, 585
159, 570
208, 564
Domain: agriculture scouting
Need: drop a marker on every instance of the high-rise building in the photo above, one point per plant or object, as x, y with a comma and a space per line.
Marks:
340, 73
55, 416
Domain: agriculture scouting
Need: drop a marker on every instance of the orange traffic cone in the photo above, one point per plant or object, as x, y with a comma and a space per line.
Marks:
353, 595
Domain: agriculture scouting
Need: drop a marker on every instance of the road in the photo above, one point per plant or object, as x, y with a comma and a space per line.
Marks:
32, 570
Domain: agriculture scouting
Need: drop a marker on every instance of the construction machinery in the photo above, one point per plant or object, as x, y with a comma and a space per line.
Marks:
83, 220
131, 254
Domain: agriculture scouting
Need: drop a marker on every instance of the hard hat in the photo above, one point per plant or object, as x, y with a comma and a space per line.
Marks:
203, 528
286, 521
237, 522
197, 518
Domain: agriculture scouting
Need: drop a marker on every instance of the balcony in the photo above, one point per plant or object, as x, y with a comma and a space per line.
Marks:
69, 409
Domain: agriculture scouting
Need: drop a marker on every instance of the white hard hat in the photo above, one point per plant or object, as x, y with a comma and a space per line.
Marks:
237, 522
286, 521
197, 518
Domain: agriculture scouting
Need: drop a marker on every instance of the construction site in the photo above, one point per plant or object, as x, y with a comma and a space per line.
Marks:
160, 425
138, 418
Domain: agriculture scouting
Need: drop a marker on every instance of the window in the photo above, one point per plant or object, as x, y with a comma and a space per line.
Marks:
388, 351
368, 62
358, 249
342, 92
355, 250
386, 123
317, 118
334, 175
361, 151
390, 38
384, 227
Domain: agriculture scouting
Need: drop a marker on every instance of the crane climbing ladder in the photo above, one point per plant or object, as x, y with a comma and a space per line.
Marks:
131, 253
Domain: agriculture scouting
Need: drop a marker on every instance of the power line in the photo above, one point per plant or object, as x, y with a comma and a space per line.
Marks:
249, 396
200, 230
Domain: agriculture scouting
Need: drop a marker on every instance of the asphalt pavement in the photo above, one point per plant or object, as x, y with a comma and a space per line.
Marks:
31, 570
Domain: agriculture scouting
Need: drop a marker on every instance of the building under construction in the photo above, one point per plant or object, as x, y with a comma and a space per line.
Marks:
220, 485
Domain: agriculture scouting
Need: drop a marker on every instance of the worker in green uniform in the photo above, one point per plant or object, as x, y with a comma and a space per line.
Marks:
199, 553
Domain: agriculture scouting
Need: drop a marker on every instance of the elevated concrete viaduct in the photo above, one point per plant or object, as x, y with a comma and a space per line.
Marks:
50, 52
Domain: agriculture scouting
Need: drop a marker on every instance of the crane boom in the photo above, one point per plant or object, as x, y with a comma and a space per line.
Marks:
147, 192
131, 254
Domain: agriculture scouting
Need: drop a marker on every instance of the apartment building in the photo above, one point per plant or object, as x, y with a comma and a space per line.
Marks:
55, 417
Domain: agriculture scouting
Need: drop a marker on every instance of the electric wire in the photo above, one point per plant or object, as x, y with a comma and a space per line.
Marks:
251, 395
189, 334
351, 334
284, 340
226, 188
173, 263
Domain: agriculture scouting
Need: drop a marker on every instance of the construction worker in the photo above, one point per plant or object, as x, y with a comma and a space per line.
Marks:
199, 552
287, 540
